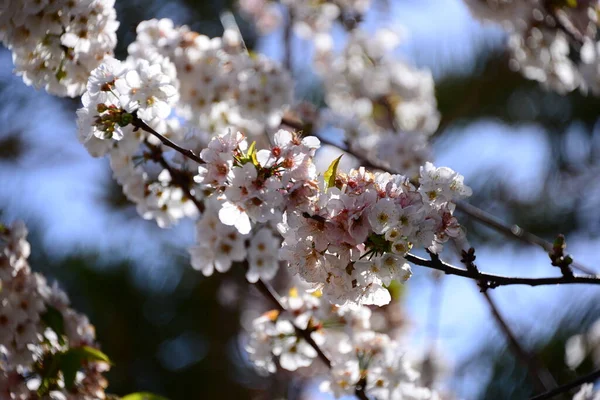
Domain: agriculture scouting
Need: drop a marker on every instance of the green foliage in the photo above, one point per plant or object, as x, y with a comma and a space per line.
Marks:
54, 320
396, 290
143, 396
249, 156
331, 173
68, 363
73, 359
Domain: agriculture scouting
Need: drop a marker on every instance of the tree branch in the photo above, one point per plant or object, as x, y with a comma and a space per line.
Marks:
492, 281
591, 377
179, 178
542, 378
268, 291
514, 231
139, 124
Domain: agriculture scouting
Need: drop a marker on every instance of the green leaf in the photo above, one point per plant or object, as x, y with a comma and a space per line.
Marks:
126, 119
396, 290
249, 156
54, 320
143, 396
48, 370
251, 149
60, 74
71, 361
252, 154
331, 173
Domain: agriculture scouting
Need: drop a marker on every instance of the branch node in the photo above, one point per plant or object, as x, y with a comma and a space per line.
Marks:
559, 258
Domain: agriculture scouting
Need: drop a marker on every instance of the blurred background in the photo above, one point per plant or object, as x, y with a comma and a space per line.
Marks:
531, 156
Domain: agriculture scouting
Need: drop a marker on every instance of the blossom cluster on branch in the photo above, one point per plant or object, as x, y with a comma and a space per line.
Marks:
386, 108
192, 128
330, 225
310, 18
220, 83
55, 44
41, 337
587, 392
552, 42
360, 355
352, 240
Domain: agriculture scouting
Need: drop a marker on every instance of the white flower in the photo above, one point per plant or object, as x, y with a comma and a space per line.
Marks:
233, 215
439, 185
56, 44
147, 90
383, 215
26, 299
587, 392
102, 79
394, 267
262, 256
293, 352
217, 245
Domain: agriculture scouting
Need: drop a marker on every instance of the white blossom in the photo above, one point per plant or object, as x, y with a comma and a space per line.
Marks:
55, 45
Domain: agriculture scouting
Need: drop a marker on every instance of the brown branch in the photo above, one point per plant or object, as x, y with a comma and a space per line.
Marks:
179, 178
139, 124
591, 377
268, 291
514, 231
542, 378
360, 389
492, 281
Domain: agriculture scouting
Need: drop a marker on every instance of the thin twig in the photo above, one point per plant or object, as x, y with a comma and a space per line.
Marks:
493, 281
179, 178
360, 389
138, 123
591, 377
268, 291
514, 231
542, 378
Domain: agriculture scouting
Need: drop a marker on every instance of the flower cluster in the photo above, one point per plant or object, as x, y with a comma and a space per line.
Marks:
221, 85
551, 42
250, 187
359, 354
582, 347
310, 17
353, 240
116, 91
345, 234
381, 104
118, 94
363, 82
37, 327
56, 44
587, 392
258, 186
